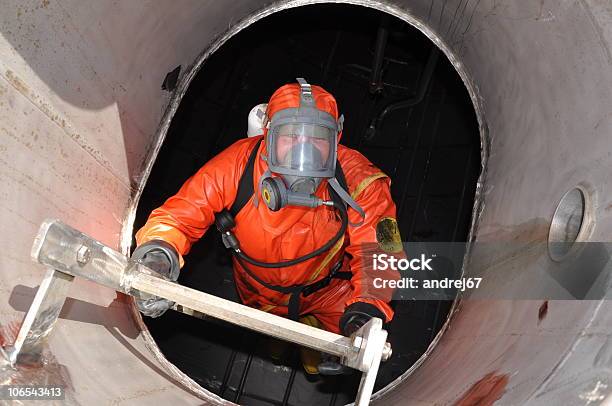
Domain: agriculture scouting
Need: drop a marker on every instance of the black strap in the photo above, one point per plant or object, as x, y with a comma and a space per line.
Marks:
293, 307
340, 176
245, 186
334, 274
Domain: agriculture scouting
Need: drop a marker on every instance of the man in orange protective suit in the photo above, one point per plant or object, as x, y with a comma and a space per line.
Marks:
296, 211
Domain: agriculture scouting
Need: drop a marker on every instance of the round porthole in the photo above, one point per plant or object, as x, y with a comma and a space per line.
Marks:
568, 224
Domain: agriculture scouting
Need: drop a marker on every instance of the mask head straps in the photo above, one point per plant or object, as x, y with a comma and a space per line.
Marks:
343, 194
306, 99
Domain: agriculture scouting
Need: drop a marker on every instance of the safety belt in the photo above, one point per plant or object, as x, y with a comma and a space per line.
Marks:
244, 193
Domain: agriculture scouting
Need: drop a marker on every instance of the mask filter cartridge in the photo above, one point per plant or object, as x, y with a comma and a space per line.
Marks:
276, 195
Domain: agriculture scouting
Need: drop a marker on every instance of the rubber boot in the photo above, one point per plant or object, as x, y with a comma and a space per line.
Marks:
310, 358
330, 365
277, 349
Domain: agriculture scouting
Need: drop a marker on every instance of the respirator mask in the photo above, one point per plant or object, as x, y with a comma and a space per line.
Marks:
302, 150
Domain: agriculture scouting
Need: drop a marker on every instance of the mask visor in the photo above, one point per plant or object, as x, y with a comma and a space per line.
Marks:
303, 149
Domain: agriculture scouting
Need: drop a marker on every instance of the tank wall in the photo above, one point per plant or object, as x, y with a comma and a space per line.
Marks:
80, 111
80, 106
541, 72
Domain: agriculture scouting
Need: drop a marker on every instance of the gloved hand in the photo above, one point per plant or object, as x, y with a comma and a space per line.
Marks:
356, 315
162, 258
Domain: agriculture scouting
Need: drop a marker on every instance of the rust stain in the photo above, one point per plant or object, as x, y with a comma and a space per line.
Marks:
8, 333
542, 311
47, 372
532, 231
486, 391
45, 3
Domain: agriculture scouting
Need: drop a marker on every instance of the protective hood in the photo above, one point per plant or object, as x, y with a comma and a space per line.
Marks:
302, 141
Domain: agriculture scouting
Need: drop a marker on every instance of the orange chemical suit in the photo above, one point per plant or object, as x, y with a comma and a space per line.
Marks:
286, 234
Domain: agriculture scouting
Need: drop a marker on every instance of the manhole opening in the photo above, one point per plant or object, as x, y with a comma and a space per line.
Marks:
430, 148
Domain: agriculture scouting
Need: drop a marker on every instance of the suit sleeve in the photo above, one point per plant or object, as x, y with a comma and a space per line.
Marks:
379, 207
185, 217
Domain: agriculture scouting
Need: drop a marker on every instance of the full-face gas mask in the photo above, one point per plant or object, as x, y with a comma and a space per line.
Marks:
302, 150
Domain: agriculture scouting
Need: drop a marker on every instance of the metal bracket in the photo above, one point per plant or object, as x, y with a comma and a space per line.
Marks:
40, 319
373, 348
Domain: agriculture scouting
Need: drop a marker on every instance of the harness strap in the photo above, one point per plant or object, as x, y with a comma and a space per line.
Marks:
295, 291
245, 186
225, 222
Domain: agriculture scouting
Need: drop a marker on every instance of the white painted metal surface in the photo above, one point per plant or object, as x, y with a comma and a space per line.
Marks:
80, 113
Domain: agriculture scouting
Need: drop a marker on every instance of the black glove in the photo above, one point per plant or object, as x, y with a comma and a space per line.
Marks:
358, 314
354, 317
162, 258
